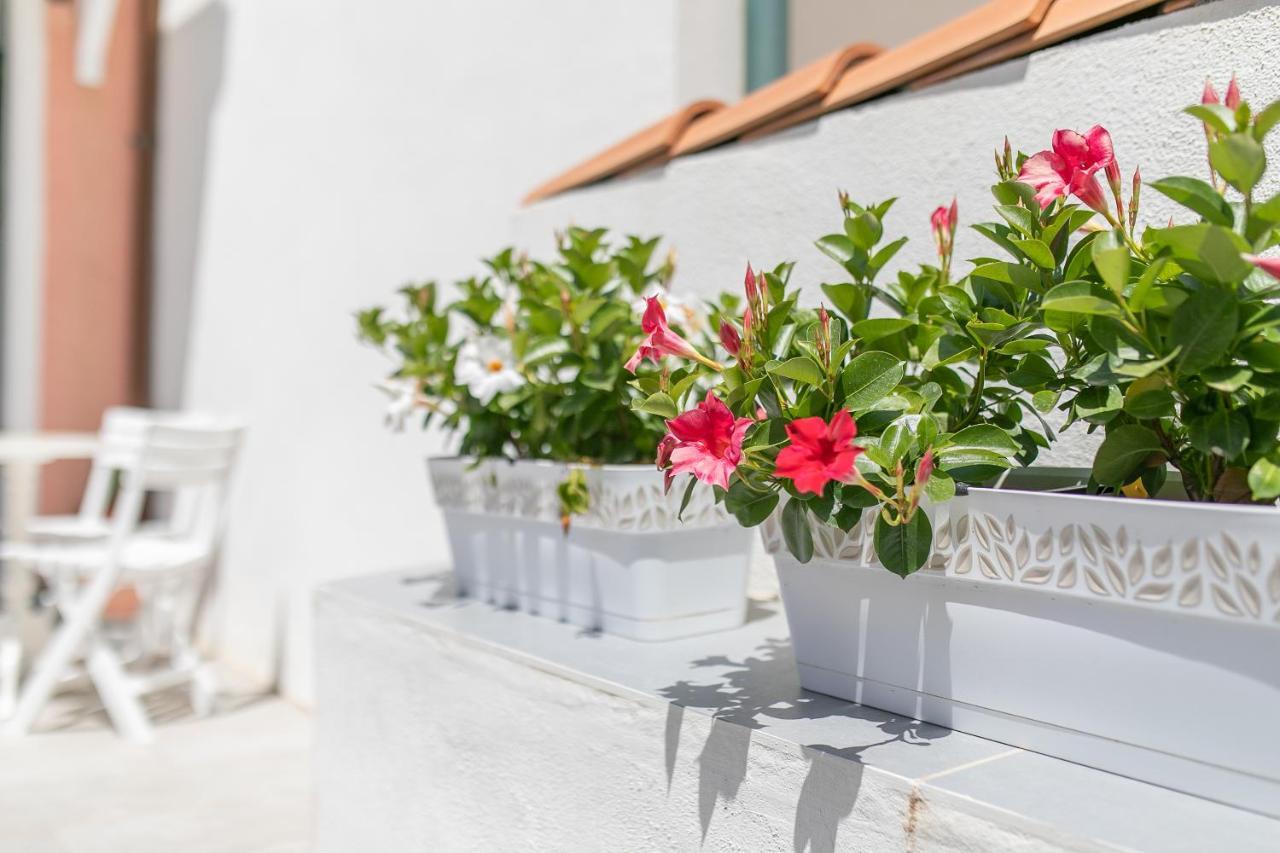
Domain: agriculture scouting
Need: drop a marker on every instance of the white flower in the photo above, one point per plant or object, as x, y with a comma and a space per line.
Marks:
486, 366
404, 400
685, 313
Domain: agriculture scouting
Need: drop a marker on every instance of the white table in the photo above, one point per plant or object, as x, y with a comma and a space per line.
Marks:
22, 455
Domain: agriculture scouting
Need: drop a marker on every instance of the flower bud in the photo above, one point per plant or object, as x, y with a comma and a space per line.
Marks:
1210, 95
665, 447
1232, 99
750, 286
729, 338
1134, 195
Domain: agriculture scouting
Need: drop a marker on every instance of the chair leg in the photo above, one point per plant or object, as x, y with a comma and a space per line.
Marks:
48, 670
117, 693
204, 690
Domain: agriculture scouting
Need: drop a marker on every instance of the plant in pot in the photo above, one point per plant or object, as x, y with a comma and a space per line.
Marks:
548, 507
1167, 564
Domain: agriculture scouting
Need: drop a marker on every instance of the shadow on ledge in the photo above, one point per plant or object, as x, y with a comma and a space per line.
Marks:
761, 690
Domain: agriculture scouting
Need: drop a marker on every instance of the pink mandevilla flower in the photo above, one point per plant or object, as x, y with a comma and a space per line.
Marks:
659, 339
1070, 167
707, 442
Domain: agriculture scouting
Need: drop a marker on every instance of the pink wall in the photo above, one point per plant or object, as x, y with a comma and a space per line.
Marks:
96, 207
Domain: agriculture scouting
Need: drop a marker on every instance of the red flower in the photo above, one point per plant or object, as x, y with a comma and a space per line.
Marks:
660, 340
1070, 167
1210, 95
708, 442
819, 452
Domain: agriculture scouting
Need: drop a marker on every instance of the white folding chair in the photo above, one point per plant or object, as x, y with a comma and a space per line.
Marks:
168, 572
119, 438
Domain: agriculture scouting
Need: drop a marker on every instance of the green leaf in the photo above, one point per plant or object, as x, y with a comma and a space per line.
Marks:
1122, 453
1020, 218
880, 327
1266, 119
684, 500
1239, 159
1044, 401
940, 488
904, 548
1198, 196
864, 230
895, 442
795, 530
545, 351
1220, 118
837, 247
851, 300
1098, 405
1150, 405
1037, 252
1203, 326
1206, 250
1226, 378
980, 437
800, 369
1264, 480
659, 404
1222, 432
869, 377
1111, 260
1007, 273
748, 506
1078, 297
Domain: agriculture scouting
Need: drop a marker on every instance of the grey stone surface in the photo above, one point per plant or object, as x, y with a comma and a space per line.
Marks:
745, 682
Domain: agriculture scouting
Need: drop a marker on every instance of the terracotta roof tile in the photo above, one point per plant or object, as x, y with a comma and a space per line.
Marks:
1065, 18
992, 23
649, 146
801, 88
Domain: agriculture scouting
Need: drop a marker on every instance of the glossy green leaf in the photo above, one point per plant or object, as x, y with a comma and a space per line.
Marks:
796, 534
1264, 480
1197, 196
659, 404
1078, 297
869, 377
1203, 327
904, 548
1123, 452
1150, 405
1223, 432
800, 369
1239, 159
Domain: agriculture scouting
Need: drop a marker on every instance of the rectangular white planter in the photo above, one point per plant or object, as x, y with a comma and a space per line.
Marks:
1140, 637
628, 566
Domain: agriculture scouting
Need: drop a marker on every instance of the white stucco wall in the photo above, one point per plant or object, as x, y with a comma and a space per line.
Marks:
313, 156
767, 201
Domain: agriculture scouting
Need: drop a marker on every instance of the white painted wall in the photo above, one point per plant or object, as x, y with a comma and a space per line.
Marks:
314, 155
767, 201
22, 242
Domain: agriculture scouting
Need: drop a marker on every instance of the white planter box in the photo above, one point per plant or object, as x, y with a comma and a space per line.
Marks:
628, 566
1140, 637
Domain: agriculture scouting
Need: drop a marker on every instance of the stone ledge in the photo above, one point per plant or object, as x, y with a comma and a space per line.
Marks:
450, 724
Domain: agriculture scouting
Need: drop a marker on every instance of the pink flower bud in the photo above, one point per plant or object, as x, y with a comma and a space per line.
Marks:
1271, 266
665, 447
750, 285
1232, 99
729, 338
1210, 95
924, 470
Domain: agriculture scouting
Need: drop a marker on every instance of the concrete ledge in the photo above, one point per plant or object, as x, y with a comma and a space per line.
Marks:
445, 724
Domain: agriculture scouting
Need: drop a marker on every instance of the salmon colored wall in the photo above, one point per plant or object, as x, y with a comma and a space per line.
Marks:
97, 171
